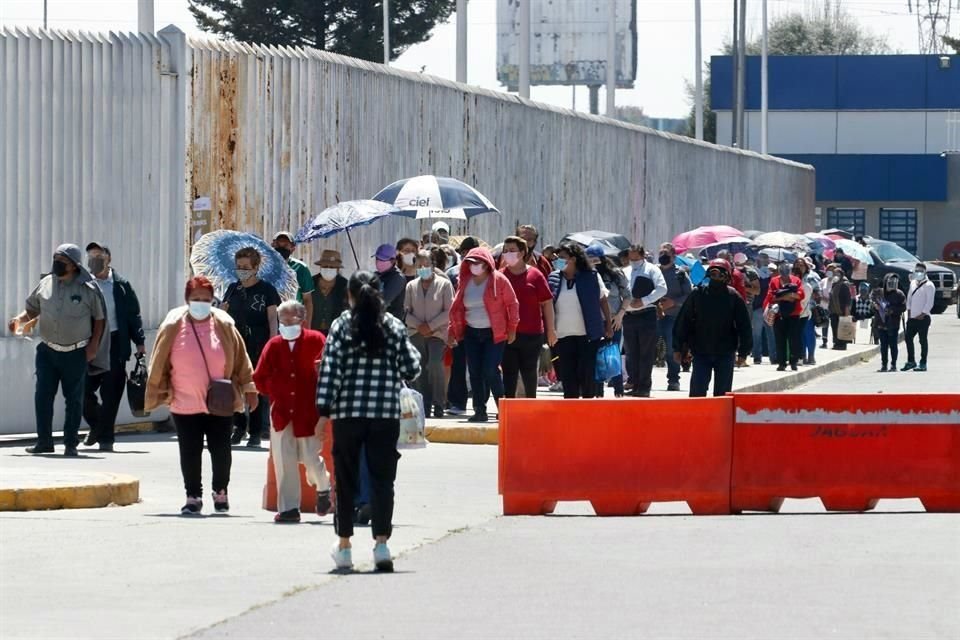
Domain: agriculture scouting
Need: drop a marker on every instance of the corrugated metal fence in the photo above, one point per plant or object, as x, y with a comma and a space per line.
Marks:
108, 137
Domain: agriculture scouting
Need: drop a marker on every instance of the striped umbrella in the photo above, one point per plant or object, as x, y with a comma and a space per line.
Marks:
428, 197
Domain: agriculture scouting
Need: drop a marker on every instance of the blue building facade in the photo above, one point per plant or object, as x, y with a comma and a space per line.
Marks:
882, 131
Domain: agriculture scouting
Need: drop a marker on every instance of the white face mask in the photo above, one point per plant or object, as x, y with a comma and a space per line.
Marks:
200, 310
328, 274
477, 269
511, 258
919, 276
409, 259
290, 332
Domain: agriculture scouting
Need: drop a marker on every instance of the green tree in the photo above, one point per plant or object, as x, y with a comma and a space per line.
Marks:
349, 27
952, 42
824, 30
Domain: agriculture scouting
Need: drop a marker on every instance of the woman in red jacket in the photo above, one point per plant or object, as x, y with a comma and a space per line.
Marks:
484, 317
786, 291
287, 374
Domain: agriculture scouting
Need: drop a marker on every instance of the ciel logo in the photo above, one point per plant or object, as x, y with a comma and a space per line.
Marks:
422, 202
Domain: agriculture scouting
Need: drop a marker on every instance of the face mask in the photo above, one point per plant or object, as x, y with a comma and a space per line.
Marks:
409, 259
764, 272
328, 274
919, 275
199, 310
477, 269
560, 264
511, 258
384, 265
836, 277
291, 332
96, 265
59, 269
245, 274
424, 273
637, 264
784, 271
891, 285
285, 252
665, 259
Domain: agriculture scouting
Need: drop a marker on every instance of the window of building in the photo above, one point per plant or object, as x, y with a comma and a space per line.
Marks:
900, 226
853, 220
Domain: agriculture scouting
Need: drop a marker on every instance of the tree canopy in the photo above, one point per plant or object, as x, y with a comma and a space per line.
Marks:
349, 27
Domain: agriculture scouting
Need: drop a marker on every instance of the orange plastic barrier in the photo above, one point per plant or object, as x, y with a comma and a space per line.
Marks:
621, 456
308, 494
847, 450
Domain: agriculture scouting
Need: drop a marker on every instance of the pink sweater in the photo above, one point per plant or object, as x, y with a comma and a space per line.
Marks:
187, 373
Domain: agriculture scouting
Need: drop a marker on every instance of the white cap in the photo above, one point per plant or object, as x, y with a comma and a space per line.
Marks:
440, 225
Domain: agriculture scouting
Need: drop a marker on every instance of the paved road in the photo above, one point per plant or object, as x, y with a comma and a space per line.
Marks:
141, 571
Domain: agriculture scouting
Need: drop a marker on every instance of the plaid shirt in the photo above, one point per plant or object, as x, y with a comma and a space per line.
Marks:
862, 308
355, 385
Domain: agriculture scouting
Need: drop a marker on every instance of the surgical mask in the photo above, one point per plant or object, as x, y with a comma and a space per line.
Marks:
637, 264
424, 273
290, 332
511, 258
245, 274
665, 259
919, 275
560, 264
409, 259
59, 268
384, 265
836, 277
328, 274
97, 264
285, 252
200, 310
477, 269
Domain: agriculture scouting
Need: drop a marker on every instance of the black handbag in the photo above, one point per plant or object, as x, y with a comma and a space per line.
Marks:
219, 392
137, 388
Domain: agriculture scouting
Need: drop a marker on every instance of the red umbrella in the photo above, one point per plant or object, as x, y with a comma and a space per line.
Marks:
702, 236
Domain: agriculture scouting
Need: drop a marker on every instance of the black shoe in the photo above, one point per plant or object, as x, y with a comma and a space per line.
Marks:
193, 507
908, 366
361, 515
253, 443
921, 367
883, 368
106, 447
639, 394
438, 411
70, 452
673, 386
237, 436
324, 505
221, 502
36, 450
478, 417
782, 367
91, 439
287, 517
793, 366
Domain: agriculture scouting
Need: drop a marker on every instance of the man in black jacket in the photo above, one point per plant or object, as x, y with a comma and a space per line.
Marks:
126, 327
713, 325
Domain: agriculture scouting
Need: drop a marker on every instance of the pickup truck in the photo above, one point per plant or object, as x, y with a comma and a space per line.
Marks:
889, 257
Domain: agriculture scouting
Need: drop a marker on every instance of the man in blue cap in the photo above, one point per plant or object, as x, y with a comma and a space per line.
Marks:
391, 280
71, 323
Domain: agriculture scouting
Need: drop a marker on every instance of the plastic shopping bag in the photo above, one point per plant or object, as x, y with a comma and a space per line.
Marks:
609, 364
412, 419
846, 329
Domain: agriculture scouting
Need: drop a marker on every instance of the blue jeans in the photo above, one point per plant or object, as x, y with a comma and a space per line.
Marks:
809, 337
719, 367
761, 332
67, 371
665, 331
483, 364
457, 388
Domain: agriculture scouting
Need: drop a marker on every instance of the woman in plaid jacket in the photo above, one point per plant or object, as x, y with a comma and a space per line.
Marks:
366, 359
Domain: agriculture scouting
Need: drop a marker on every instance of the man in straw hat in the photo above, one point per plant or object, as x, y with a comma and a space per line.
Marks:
329, 291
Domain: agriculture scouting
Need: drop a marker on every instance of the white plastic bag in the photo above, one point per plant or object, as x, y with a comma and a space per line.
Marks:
412, 419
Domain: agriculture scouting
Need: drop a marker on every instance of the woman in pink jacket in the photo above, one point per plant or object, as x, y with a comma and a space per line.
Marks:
484, 317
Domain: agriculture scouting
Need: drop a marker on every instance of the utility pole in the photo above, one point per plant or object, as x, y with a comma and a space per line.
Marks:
612, 58
525, 49
386, 32
763, 83
741, 75
735, 61
698, 74
462, 41
44, 14
144, 16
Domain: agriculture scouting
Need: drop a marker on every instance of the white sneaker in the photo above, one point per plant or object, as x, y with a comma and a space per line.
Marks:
342, 558
381, 558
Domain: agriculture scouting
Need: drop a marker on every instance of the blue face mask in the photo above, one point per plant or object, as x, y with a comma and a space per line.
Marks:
424, 273
559, 264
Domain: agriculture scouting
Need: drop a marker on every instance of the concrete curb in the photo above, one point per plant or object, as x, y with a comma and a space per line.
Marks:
116, 488
490, 434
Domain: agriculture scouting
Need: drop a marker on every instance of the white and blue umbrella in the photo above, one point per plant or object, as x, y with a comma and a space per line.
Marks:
428, 197
213, 256
343, 217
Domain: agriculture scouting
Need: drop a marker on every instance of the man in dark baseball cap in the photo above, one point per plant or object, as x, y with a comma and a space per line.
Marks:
284, 244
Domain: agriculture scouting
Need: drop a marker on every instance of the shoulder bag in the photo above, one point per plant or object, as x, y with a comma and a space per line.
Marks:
220, 397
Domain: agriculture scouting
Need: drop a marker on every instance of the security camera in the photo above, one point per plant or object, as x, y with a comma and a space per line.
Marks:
944, 62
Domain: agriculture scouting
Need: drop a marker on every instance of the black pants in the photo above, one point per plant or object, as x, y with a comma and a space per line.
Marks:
101, 413
787, 331
916, 327
378, 439
67, 371
640, 342
457, 387
521, 361
190, 432
577, 362
889, 344
256, 422
720, 368
834, 324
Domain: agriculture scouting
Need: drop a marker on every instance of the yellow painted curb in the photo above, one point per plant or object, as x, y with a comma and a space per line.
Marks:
117, 489
463, 434
136, 427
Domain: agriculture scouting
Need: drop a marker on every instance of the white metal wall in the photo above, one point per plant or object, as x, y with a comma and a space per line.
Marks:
91, 148
277, 134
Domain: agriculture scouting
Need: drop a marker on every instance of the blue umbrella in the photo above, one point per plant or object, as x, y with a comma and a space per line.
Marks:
343, 217
428, 197
213, 257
